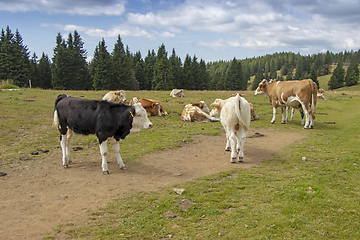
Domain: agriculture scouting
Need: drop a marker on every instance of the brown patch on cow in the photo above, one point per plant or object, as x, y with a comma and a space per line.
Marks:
237, 127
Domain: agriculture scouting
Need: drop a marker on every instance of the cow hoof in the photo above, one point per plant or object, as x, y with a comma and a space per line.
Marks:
241, 159
66, 166
282, 122
233, 160
272, 122
227, 149
123, 168
106, 172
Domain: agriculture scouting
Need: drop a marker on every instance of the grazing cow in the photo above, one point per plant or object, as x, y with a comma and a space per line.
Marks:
177, 93
320, 94
235, 118
107, 120
152, 107
293, 94
197, 112
218, 103
115, 96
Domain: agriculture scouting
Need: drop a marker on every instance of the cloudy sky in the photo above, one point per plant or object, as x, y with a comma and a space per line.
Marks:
210, 29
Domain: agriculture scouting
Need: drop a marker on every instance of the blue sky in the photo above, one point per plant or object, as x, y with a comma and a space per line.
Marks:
211, 30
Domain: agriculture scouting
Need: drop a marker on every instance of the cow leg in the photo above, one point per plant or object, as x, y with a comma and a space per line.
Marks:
283, 115
241, 139
65, 147
274, 115
302, 115
228, 146
292, 114
287, 113
103, 152
307, 116
233, 142
116, 148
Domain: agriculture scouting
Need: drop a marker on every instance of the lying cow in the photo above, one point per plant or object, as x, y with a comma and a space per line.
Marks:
152, 107
177, 93
293, 94
235, 118
197, 112
218, 103
115, 96
108, 121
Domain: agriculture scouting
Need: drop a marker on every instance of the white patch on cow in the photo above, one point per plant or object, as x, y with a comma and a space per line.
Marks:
140, 121
292, 101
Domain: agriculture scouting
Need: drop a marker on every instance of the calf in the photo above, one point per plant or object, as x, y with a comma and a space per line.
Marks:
115, 96
235, 118
107, 120
197, 112
293, 94
152, 107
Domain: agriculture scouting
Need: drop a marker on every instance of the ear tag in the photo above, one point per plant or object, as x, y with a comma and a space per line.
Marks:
131, 114
213, 107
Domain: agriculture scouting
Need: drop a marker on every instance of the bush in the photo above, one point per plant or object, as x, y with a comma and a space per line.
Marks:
8, 84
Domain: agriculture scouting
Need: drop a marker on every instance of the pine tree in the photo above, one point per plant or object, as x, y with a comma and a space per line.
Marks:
337, 79
313, 76
59, 65
122, 66
259, 76
175, 64
150, 60
188, 77
203, 76
352, 73
34, 76
80, 74
162, 73
44, 69
194, 69
101, 68
235, 79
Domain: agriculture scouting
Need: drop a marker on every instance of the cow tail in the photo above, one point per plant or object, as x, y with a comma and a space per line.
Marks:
313, 96
242, 111
56, 121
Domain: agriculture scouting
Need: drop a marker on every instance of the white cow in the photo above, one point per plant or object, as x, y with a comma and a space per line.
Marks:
115, 96
177, 93
235, 117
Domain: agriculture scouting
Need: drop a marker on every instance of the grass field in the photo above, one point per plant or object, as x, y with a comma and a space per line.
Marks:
282, 198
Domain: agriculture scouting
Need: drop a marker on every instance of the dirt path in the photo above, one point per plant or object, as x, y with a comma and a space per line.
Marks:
42, 194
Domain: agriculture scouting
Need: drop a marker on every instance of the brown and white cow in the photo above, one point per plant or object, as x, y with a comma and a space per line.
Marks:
197, 112
293, 94
177, 93
320, 94
115, 96
235, 118
218, 103
152, 107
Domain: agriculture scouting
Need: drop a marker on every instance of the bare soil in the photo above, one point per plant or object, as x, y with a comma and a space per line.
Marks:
39, 195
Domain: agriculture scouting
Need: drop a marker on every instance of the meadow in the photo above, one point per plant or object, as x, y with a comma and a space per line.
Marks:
281, 198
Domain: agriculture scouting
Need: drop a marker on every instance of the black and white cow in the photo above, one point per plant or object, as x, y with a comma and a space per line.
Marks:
107, 120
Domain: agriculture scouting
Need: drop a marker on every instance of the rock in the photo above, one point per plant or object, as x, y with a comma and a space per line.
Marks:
179, 191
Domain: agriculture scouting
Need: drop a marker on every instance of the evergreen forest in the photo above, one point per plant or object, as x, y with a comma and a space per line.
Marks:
119, 68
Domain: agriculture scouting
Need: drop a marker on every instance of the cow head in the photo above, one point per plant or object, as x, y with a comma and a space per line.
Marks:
216, 107
261, 88
140, 120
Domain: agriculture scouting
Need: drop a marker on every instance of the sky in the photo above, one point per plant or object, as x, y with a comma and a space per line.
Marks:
211, 30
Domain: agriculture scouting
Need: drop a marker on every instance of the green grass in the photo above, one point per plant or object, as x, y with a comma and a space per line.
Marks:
282, 198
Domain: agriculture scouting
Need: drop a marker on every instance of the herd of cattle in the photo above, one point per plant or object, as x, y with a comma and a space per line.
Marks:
111, 119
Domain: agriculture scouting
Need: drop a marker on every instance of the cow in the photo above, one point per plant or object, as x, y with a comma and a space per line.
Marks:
177, 93
293, 94
235, 118
320, 94
115, 96
107, 120
152, 107
197, 112
218, 103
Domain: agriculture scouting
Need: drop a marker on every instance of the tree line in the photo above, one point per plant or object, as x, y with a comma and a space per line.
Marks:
121, 69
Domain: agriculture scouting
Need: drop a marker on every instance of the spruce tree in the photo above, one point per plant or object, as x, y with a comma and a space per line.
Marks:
204, 78
188, 77
34, 76
80, 71
162, 73
337, 79
313, 76
59, 65
352, 73
101, 69
150, 60
175, 64
122, 66
44, 68
194, 69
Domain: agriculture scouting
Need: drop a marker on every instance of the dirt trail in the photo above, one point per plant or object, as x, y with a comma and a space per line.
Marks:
42, 194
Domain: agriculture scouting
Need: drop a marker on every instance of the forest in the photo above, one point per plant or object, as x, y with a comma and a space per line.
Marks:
122, 69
